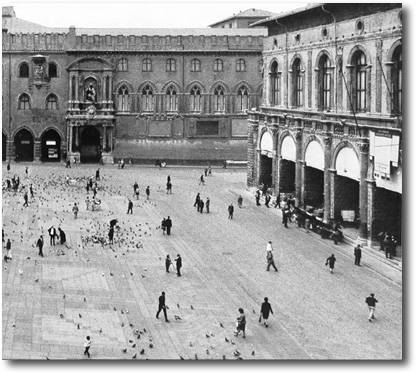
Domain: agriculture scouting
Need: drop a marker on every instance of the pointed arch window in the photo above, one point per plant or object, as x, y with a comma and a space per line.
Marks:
147, 98
52, 70
324, 82
195, 99
242, 99
359, 81
397, 80
241, 65
123, 98
219, 99
122, 64
24, 102
24, 70
274, 85
171, 99
51, 102
297, 83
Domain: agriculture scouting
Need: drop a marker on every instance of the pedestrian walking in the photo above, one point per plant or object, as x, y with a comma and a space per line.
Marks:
8, 255
241, 323
168, 263
27, 170
130, 207
331, 262
206, 172
62, 236
209, 170
87, 346
357, 254
201, 206
230, 211
26, 198
169, 187
39, 245
178, 261
75, 210
97, 174
207, 203
197, 198
148, 192
8, 167
31, 191
201, 180
265, 311
285, 216
371, 303
267, 199
240, 201
111, 235
163, 225
135, 186
270, 261
258, 197
168, 225
162, 306
52, 235
137, 192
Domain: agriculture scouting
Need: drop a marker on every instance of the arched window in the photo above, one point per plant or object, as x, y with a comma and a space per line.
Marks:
324, 83
122, 64
359, 81
24, 70
170, 65
396, 74
218, 65
242, 99
51, 102
147, 64
297, 83
274, 85
171, 99
219, 99
195, 65
195, 99
52, 70
24, 102
147, 98
123, 99
240, 65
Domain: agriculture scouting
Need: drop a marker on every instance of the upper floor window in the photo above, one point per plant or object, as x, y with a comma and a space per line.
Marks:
359, 81
171, 64
24, 102
73, 88
147, 98
218, 65
122, 64
274, 85
241, 65
195, 65
123, 99
195, 99
242, 99
51, 102
219, 99
171, 99
147, 64
297, 83
396, 74
52, 70
324, 83
24, 70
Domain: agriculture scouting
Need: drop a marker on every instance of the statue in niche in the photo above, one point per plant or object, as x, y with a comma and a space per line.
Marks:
90, 93
39, 72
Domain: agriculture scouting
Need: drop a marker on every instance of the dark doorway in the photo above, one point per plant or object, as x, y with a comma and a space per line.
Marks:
266, 168
287, 176
23, 142
90, 147
51, 146
346, 198
314, 187
4, 148
387, 212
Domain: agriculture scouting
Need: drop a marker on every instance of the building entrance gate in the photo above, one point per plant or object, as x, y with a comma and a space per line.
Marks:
23, 142
90, 145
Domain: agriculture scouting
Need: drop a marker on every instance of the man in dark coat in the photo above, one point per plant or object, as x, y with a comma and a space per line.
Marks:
148, 192
111, 234
285, 216
270, 261
130, 207
162, 306
207, 202
197, 198
331, 261
62, 236
230, 211
178, 261
371, 303
201, 206
39, 245
168, 263
267, 199
357, 254
265, 311
168, 225
52, 235
258, 197
97, 174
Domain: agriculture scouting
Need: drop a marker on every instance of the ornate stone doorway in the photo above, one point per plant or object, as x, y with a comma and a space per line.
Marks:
90, 145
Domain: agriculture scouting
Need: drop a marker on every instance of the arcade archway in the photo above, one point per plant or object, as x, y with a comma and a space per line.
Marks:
90, 147
23, 143
314, 175
266, 159
288, 165
51, 146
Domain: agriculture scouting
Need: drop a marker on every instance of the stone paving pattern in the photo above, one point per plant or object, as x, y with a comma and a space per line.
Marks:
110, 292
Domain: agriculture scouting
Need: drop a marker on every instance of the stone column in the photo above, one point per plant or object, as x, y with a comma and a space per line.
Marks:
371, 188
309, 89
301, 166
327, 179
299, 175
331, 174
251, 152
363, 146
9, 150
278, 160
368, 88
37, 150
76, 136
104, 138
70, 149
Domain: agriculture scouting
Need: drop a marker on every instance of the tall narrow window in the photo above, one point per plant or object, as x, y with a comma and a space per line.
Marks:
218, 65
396, 75
219, 99
107, 88
171, 99
123, 98
24, 102
241, 65
324, 83
297, 83
51, 102
147, 64
359, 81
195, 65
195, 99
242, 99
52, 70
24, 70
122, 64
147, 98
73, 88
170, 65
274, 85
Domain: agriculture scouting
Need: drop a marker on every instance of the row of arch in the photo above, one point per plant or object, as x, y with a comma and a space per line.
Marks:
25, 102
23, 70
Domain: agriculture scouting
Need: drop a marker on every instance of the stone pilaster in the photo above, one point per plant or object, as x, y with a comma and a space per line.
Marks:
371, 190
327, 179
379, 56
251, 153
37, 150
299, 179
10, 150
363, 146
331, 175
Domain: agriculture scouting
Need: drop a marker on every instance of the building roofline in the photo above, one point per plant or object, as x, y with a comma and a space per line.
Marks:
240, 16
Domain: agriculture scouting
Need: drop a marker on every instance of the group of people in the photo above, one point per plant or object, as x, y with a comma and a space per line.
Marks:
388, 243
178, 264
166, 225
200, 204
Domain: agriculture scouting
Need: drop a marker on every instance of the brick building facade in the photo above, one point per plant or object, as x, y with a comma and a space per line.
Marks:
174, 94
329, 129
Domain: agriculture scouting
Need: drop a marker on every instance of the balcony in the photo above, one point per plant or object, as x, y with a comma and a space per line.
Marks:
89, 110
